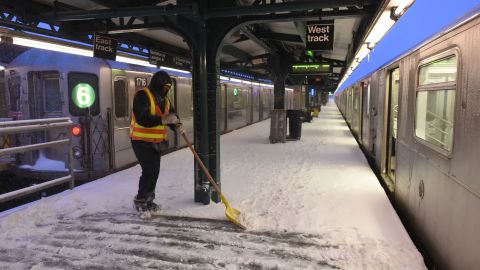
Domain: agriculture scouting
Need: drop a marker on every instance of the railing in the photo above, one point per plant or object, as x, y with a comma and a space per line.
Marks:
12, 127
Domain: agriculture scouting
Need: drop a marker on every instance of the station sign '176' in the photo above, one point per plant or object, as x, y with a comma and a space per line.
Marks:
319, 35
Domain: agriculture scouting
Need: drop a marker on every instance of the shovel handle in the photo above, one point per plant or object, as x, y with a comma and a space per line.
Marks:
200, 162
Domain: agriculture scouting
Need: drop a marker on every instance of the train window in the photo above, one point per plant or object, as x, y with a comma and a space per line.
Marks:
83, 94
120, 98
14, 93
435, 103
438, 71
434, 120
51, 95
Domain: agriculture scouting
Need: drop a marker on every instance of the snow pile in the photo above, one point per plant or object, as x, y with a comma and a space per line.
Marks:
45, 164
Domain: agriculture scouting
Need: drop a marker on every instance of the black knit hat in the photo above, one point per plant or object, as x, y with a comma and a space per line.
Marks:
159, 79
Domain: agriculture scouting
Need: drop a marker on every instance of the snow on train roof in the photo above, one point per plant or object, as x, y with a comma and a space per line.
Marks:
51, 60
423, 21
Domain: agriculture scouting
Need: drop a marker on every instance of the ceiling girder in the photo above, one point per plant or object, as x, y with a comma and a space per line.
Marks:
252, 10
141, 11
258, 41
283, 7
279, 36
236, 52
308, 16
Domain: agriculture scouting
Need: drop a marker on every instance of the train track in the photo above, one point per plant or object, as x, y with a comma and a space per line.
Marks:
123, 241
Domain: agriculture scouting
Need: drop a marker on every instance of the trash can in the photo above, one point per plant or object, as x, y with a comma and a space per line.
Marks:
307, 115
295, 118
278, 126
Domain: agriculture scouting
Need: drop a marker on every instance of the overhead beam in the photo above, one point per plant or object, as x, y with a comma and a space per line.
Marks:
258, 41
236, 52
142, 11
279, 36
308, 16
283, 7
301, 26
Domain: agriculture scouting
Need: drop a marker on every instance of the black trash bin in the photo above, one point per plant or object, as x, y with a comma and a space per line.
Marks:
307, 115
295, 118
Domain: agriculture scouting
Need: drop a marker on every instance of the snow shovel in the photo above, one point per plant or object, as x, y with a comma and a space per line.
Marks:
231, 213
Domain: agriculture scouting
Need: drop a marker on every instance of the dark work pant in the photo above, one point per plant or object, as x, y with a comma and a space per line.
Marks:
149, 160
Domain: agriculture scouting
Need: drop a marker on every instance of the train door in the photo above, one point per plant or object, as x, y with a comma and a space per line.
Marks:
184, 107
256, 104
248, 105
121, 122
251, 104
172, 142
44, 101
44, 97
357, 111
393, 86
365, 113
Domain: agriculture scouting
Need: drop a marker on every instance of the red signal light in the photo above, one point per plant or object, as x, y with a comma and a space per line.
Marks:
76, 131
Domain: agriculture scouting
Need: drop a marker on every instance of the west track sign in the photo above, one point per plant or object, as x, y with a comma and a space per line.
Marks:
320, 35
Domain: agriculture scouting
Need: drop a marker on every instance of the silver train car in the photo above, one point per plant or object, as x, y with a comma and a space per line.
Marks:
417, 119
98, 95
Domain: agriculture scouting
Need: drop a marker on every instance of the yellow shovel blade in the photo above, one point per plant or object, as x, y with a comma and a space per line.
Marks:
232, 214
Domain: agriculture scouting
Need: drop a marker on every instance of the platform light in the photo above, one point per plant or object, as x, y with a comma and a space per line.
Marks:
2, 68
27, 42
235, 80
381, 27
50, 46
175, 70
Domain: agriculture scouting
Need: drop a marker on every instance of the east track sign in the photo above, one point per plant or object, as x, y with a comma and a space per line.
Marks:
320, 35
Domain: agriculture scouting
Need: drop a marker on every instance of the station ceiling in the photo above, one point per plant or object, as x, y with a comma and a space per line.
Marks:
280, 28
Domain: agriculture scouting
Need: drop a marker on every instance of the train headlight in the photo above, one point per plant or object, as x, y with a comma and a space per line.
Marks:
77, 153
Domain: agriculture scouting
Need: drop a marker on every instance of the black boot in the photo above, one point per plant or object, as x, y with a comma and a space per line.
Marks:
151, 206
140, 204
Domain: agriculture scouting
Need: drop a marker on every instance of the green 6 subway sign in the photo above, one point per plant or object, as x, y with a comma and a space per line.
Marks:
83, 95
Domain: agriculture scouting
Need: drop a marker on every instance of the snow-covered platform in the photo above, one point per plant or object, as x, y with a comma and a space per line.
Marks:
308, 204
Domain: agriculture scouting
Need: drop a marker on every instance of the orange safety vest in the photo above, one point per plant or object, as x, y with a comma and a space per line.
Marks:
150, 134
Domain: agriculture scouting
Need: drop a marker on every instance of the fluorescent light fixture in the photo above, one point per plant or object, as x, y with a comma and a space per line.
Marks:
235, 80
224, 78
401, 7
381, 27
2, 68
288, 89
83, 52
51, 46
133, 61
383, 24
247, 82
173, 69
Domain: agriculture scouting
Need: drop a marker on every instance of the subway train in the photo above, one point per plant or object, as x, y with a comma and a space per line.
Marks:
417, 120
98, 94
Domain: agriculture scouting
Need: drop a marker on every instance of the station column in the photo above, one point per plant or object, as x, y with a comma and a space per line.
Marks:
280, 68
205, 37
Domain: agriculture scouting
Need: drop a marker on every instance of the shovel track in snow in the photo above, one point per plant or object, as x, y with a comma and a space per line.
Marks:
123, 241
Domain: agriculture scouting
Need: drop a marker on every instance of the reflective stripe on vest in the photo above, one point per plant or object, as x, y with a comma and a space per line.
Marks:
150, 134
